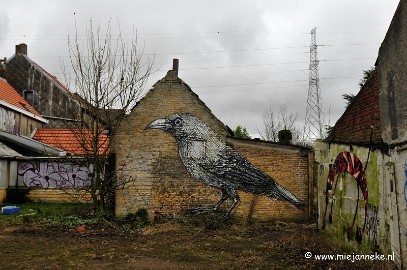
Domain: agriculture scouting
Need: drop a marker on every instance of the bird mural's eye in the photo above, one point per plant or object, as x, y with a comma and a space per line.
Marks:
178, 121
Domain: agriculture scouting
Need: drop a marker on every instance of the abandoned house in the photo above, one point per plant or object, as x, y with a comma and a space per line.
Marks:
18, 121
44, 152
362, 165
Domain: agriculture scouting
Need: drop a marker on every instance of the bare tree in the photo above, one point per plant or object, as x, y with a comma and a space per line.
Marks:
109, 77
273, 122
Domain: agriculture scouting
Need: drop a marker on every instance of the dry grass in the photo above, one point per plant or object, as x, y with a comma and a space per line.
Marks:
189, 243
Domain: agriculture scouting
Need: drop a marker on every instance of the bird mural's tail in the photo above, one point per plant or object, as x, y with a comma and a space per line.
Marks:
284, 194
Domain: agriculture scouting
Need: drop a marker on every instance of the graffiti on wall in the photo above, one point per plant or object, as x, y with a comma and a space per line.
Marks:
212, 162
49, 174
347, 162
372, 225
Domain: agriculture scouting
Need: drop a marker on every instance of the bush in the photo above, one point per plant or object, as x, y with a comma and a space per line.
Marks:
140, 217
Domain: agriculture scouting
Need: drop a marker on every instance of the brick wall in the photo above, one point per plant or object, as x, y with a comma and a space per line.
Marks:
3, 192
58, 195
355, 123
148, 161
287, 165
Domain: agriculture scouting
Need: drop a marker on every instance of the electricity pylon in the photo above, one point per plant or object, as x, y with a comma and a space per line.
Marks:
313, 115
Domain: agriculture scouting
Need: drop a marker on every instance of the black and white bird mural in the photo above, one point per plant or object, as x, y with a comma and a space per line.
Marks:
212, 162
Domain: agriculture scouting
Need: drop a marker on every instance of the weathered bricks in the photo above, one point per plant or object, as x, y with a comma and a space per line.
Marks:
148, 161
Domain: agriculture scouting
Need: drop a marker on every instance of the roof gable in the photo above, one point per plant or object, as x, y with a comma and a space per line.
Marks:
13, 98
361, 118
170, 82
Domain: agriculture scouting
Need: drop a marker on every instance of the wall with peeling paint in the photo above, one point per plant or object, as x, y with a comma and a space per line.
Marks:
346, 196
392, 64
381, 104
393, 202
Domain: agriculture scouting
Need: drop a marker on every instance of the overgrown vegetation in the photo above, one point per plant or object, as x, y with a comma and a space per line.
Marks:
72, 216
349, 98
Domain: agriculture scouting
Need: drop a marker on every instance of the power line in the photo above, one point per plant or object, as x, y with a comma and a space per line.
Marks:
246, 84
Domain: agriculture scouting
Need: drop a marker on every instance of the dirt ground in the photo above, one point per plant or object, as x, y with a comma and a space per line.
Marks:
174, 245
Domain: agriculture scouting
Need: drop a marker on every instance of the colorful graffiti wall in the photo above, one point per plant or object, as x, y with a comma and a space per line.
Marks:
52, 174
350, 163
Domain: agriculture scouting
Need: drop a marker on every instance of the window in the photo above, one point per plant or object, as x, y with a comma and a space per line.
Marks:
29, 96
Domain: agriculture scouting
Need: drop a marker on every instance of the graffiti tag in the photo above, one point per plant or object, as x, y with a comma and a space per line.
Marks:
54, 174
372, 225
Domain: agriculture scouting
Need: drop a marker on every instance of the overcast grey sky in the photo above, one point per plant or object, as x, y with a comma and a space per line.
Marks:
239, 56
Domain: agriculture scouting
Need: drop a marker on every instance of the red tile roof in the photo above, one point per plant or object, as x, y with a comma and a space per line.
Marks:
363, 113
76, 142
11, 96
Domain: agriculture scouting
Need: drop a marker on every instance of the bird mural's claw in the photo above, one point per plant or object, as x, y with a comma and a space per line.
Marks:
204, 210
233, 206
199, 211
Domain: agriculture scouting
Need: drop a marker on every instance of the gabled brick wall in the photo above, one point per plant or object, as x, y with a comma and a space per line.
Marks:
354, 126
149, 160
157, 180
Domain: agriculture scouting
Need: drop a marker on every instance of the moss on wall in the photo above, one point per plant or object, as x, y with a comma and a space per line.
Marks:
345, 200
373, 179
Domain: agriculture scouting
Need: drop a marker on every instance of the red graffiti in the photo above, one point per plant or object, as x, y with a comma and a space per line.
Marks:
347, 162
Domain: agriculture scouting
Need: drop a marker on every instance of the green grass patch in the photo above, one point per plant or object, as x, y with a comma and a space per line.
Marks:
71, 216
43, 211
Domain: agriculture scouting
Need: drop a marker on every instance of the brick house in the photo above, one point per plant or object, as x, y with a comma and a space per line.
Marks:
43, 91
148, 162
362, 166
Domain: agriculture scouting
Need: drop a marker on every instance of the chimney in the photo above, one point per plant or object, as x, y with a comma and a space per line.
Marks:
175, 64
3, 67
21, 48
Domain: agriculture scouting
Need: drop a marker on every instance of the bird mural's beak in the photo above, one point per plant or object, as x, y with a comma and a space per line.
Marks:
160, 123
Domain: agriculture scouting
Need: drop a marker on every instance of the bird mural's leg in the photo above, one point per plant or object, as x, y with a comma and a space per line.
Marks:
236, 199
225, 196
228, 194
